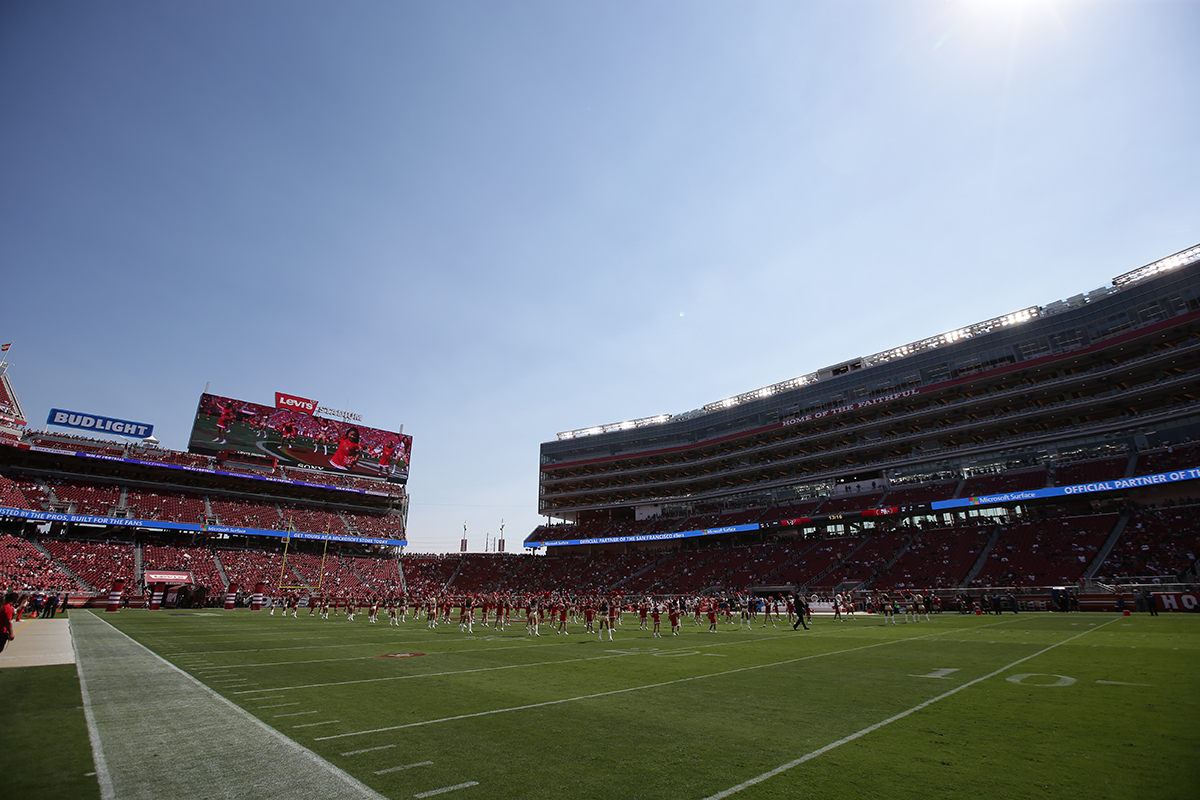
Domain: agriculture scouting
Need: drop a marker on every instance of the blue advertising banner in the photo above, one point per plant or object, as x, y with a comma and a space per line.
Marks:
1116, 484
650, 537
124, 522
97, 423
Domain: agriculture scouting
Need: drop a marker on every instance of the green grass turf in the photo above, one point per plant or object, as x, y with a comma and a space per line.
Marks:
44, 747
695, 715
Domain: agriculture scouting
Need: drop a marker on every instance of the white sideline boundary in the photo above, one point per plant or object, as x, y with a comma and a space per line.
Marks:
872, 728
132, 697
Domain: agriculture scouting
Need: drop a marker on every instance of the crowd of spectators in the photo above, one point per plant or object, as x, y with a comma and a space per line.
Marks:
97, 564
79, 497
1103, 469
181, 507
24, 568
11, 495
1045, 552
1155, 542
1003, 482
936, 558
1026, 551
247, 514
1174, 456
197, 560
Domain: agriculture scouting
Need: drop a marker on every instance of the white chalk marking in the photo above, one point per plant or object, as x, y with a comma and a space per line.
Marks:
447, 789
937, 673
401, 769
368, 750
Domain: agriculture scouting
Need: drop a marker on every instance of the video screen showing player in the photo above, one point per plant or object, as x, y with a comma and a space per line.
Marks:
293, 437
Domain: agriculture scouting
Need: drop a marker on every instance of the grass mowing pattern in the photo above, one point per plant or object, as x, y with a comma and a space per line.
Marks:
500, 715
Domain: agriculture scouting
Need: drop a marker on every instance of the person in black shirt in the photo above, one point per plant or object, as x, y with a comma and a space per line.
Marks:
801, 610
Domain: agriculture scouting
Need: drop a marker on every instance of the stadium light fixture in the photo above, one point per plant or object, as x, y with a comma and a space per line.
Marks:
1180, 259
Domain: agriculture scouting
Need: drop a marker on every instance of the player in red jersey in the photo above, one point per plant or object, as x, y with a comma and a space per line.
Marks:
228, 415
7, 615
287, 434
348, 452
385, 458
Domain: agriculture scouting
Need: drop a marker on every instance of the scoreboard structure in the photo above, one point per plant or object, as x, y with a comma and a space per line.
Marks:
291, 433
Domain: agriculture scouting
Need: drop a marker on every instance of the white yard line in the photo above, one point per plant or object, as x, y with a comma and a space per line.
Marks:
872, 728
402, 768
368, 750
447, 789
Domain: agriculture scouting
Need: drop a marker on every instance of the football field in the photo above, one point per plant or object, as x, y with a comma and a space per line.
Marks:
1030, 705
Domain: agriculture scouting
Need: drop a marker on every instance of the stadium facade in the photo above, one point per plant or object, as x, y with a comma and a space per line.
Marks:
78, 512
1103, 374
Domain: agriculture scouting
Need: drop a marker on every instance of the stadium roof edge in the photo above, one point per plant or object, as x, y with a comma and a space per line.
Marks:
1182, 258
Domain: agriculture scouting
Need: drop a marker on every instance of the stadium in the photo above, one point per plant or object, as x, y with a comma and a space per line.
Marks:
979, 528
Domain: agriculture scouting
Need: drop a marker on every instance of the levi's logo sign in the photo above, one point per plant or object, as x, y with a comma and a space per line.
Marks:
295, 403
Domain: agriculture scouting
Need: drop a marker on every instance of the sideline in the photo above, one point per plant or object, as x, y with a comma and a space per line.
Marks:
39, 643
158, 732
872, 728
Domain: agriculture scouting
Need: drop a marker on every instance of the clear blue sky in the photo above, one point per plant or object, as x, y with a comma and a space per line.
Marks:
493, 221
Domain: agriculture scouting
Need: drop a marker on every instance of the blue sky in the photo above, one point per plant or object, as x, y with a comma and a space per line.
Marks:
493, 221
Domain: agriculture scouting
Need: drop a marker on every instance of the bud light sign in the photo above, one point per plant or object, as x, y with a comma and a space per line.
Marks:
98, 424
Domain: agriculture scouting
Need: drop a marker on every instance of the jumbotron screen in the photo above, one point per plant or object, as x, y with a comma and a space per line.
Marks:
296, 437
